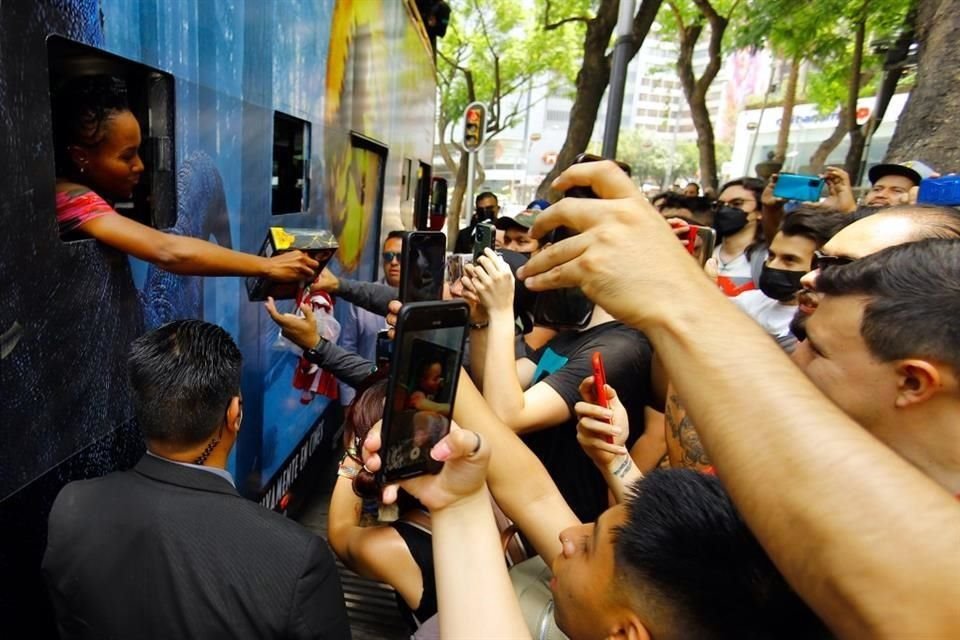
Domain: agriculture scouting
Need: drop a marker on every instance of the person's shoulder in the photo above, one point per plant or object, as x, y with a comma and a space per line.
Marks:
73, 189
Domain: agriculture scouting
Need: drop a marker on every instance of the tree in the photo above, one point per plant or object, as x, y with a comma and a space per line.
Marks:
594, 74
928, 127
795, 33
493, 52
848, 69
688, 19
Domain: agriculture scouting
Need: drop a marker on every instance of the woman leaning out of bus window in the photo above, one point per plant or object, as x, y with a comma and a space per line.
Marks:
97, 143
399, 553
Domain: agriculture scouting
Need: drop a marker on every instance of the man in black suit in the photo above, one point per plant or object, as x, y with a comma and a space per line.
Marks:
169, 549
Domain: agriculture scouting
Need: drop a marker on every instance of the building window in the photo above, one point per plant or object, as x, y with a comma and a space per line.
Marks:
290, 182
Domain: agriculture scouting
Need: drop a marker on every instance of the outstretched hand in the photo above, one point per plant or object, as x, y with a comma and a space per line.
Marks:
291, 266
301, 330
465, 456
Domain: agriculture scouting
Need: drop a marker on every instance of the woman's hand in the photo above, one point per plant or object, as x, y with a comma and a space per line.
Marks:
302, 331
491, 281
597, 424
291, 266
465, 455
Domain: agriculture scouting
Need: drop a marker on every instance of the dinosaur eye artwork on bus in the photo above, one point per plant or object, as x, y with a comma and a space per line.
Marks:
240, 131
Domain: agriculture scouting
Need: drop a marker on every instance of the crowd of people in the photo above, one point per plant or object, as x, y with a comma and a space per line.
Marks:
777, 456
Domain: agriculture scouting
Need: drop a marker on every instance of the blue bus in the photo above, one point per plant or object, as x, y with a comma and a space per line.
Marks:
255, 113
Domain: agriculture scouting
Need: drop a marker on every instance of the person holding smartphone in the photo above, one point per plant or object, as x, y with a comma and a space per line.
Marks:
487, 209
535, 394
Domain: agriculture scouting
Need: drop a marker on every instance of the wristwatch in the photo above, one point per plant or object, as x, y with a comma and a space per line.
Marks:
312, 354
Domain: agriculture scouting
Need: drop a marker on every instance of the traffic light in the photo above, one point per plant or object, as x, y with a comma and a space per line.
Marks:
474, 122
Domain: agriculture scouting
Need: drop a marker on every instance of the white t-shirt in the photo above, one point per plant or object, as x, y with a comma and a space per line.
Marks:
734, 277
772, 315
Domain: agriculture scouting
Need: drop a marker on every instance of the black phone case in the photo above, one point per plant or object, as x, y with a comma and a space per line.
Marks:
413, 287
417, 316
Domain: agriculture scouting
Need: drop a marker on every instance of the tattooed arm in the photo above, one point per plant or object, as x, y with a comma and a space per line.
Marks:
683, 442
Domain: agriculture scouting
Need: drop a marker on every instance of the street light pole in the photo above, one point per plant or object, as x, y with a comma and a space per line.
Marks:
618, 78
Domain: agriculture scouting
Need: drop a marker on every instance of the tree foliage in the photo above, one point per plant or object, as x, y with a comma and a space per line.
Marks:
493, 52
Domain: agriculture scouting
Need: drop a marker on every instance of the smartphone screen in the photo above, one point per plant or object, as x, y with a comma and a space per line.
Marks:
422, 266
428, 352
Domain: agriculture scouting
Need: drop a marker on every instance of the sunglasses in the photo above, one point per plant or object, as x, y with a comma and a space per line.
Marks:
390, 256
490, 210
823, 261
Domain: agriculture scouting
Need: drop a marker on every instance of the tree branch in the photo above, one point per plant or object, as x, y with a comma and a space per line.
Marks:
548, 26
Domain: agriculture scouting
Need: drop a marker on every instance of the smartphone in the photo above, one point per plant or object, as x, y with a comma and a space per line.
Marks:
424, 370
384, 348
795, 186
599, 382
486, 236
422, 265
701, 242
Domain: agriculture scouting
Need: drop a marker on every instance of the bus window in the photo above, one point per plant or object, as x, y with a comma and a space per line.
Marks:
290, 192
148, 94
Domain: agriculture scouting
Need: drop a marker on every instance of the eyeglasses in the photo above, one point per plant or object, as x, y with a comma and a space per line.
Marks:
390, 256
486, 210
822, 261
736, 204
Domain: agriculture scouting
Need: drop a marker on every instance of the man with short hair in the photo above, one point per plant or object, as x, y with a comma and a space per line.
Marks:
516, 230
487, 209
360, 327
789, 258
891, 183
819, 514
886, 228
169, 549
883, 346
697, 211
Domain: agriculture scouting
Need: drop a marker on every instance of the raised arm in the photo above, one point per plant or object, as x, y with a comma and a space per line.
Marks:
192, 256
506, 380
474, 594
816, 489
347, 367
376, 552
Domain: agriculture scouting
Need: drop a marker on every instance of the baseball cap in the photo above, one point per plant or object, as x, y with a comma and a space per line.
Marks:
914, 170
523, 219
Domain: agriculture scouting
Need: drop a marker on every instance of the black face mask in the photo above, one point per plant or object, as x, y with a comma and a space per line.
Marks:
484, 213
729, 220
780, 284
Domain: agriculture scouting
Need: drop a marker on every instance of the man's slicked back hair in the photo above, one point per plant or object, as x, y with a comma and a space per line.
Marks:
183, 375
686, 552
914, 299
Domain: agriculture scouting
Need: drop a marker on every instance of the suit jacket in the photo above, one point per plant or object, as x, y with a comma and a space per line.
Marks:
165, 551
